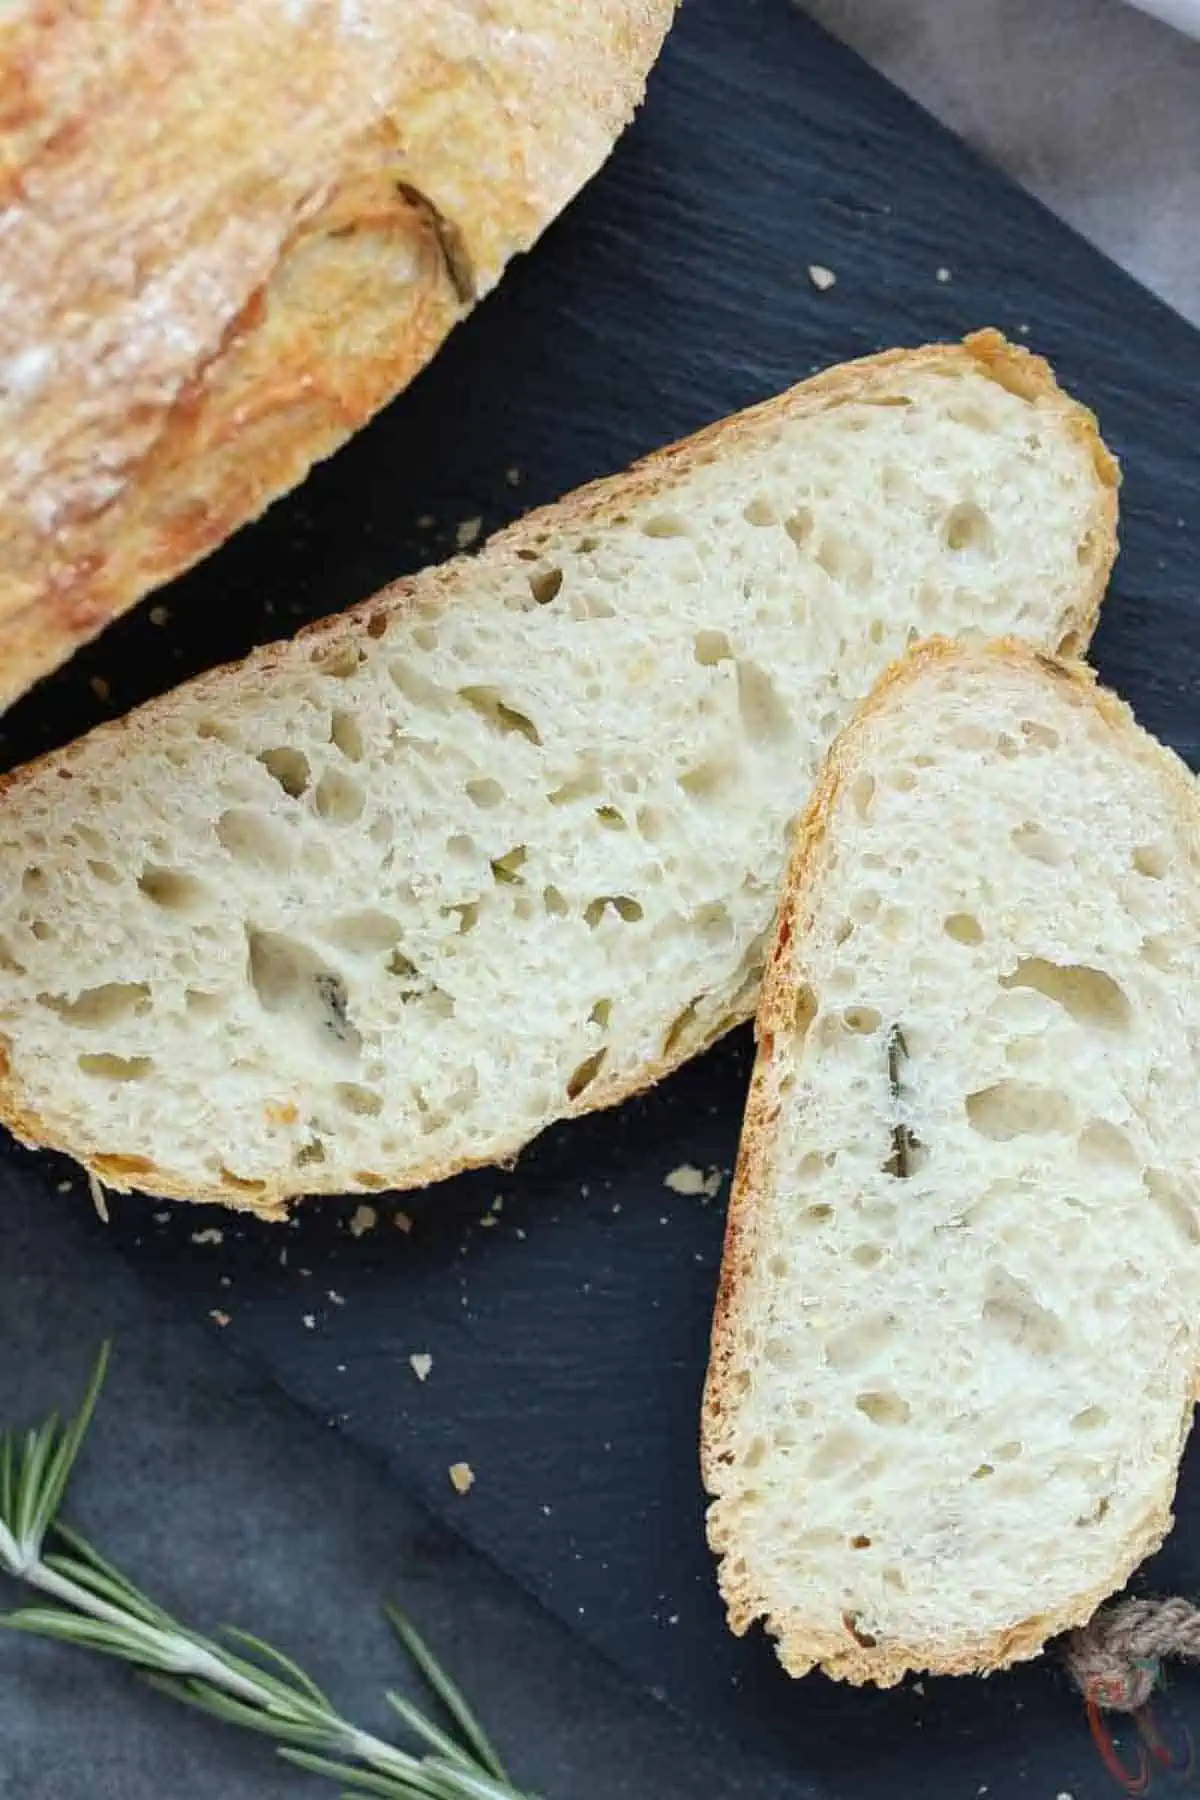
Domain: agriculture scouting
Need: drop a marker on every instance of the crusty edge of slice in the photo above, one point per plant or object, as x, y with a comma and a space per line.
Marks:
799, 1645
987, 351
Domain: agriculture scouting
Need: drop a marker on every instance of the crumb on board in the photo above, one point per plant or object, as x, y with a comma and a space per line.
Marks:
212, 1236
821, 277
425, 522
688, 1179
489, 1218
99, 1197
462, 1477
363, 1219
498, 1203
64, 1187
159, 615
218, 1317
420, 1362
467, 531
402, 1221
943, 274
100, 687
336, 1298
310, 1321
513, 476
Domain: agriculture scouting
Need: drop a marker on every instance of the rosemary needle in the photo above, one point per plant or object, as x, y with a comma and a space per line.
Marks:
234, 1677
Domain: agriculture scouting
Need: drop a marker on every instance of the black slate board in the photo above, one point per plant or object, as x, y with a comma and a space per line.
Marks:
568, 1332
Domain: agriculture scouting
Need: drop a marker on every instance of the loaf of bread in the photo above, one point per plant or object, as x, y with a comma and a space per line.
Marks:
505, 844
955, 1349
231, 232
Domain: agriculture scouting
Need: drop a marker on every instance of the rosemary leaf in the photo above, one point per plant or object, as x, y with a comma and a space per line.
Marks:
269, 1654
440, 1684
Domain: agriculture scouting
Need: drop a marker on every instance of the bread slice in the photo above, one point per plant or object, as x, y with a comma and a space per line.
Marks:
955, 1348
231, 235
505, 843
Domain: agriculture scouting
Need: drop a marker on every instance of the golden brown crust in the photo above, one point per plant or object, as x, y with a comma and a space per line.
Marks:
443, 586
231, 236
799, 1646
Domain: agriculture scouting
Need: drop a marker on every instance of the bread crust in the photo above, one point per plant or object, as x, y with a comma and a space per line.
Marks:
593, 505
233, 233
799, 1646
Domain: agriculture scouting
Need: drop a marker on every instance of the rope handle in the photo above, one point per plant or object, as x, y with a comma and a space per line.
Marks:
1116, 1659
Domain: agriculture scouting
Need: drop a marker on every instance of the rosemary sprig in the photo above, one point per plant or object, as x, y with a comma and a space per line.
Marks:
234, 1677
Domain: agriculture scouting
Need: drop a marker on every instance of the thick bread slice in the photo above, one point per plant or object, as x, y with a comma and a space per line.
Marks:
955, 1347
505, 844
231, 233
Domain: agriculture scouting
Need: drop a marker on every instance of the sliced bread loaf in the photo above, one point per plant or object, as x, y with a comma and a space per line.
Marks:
955, 1348
505, 843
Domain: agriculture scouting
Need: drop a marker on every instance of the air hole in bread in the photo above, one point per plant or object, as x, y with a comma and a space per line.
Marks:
902, 779
862, 1344
1012, 1109
342, 663
862, 793
799, 526
652, 824
252, 838
682, 1029
506, 869
863, 1020
1038, 844
377, 625
611, 818
365, 933
309, 1154
853, 1626
555, 903
33, 880
764, 716
107, 1067
708, 779
963, 927
844, 932
866, 1256
666, 525
883, 1408
760, 511
712, 647
202, 1003
1105, 1146
982, 1471
460, 847
97, 1007
290, 768
485, 793
289, 978
968, 527
1040, 735
8, 962
216, 731
545, 585
339, 798
345, 734
584, 784
601, 1013
1169, 1196
364, 1102
583, 1076
1090, 1419
243, 1184
1088, 995
1152, 861
839, 1449
496, 712
1013, 1312
417, 688
627, 909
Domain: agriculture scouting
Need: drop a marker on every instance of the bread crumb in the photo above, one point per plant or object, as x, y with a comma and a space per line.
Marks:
100, 687
335, 1297
462, 1477
64, 1187
363, 1219
467, 532
282, 1112
943, 274
159, 615
402, 1221
310, 1321
821, 277
219, 1318
99, 1197
498, 1203
513, 476
688, 1179
489, 1219
420, 1362
425, 522
208, 1237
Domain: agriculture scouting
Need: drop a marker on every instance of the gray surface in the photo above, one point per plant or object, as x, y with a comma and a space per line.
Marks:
215, 1493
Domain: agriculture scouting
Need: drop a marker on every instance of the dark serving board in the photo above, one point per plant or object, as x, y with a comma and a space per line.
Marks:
568, 1328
